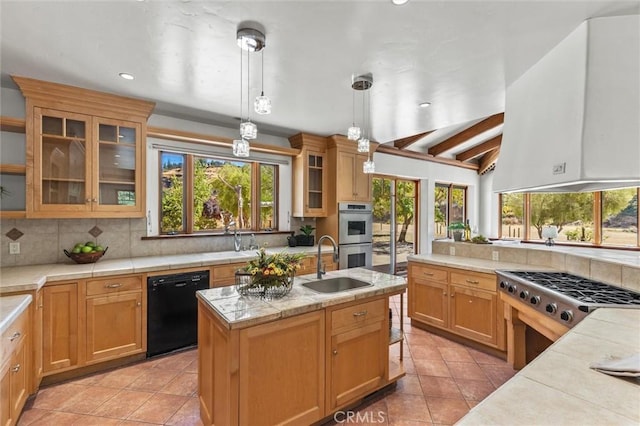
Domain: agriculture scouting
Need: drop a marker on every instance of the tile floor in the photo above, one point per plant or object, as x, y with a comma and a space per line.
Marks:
444, 380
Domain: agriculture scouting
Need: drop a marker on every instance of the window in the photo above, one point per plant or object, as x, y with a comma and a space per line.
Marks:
449, 206
607, 218
208, 194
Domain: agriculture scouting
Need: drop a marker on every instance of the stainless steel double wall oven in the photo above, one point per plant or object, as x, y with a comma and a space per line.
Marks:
355, 234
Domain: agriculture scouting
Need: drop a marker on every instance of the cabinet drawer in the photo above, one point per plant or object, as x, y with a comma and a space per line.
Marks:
13, 336
226, 273
473, 280
114, 285
429, 273
357, 315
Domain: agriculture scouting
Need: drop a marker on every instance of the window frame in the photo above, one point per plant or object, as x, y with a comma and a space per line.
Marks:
597, 223
450, 187
187, 199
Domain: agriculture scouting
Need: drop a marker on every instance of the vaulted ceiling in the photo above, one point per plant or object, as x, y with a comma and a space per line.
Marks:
458, 55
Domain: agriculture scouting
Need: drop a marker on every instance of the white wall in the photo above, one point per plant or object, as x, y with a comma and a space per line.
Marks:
429, 173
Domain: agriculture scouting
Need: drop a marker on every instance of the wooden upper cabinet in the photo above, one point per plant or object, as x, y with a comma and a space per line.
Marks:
85, 152
346, 163
309, 176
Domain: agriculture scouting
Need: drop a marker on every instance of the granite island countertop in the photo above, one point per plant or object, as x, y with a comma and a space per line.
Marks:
237, 311
27, 278
559, 388
473, 263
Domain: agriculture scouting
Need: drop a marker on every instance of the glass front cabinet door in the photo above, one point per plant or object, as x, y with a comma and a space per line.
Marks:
85, 165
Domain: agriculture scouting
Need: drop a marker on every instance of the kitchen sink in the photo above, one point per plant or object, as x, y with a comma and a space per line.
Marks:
334, 285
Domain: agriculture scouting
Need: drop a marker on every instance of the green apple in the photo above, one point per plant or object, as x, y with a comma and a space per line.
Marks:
90, 244
86, 249
99, 248
76, 250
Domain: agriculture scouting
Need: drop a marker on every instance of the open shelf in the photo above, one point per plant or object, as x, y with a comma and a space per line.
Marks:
395, 335
13, 169
396, 369
10, 124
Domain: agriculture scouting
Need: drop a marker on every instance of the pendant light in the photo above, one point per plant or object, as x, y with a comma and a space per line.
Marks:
262, 104
241, 146
248, 130
363, 142
353, 133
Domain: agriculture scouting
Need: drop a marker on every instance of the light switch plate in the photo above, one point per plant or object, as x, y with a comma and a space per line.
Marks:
495, 255
14, 248
452, 251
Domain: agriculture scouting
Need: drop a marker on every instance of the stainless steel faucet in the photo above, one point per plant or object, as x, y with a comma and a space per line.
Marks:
237, 238
336, 256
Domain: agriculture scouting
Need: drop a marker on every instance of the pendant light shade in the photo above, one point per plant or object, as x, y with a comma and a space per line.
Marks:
262, 104
368, 166
241, 148
248, 130
363, 145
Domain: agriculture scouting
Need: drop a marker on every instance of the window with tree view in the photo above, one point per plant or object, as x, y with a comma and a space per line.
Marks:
208, 194
449, 207
607, 218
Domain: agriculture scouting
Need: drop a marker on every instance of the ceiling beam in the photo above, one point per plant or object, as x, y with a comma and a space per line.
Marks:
426, 157
483, 148
488, 161
410, 140
465, 135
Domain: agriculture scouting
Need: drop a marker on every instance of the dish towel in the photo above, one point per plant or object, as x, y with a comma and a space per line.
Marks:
628, 366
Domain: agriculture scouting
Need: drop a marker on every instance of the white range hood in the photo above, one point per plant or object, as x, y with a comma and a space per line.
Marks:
572, 121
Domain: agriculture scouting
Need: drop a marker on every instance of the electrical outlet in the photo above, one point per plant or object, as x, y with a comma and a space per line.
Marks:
14, 248
495, 255
452, 251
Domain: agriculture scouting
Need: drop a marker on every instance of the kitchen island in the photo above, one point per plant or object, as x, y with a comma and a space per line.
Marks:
298, 359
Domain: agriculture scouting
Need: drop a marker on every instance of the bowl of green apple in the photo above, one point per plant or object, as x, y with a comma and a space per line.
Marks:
88, 252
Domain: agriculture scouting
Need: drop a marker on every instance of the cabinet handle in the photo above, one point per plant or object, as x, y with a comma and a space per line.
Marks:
139, 304
429, 274
335, 352
473, 281
15, 336
94, 200
112, 285
40, 306
359, 314
453, 295
88, 200
444, 293
16, 368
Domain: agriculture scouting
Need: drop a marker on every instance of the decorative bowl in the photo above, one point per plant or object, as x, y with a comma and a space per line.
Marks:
86, 257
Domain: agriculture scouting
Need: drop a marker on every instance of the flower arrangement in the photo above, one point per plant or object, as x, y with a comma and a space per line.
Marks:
269, 276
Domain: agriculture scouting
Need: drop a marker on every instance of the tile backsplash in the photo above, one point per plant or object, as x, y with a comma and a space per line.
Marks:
43, 240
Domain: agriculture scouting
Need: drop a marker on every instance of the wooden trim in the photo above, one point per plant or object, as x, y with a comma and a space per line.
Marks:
13, 169
410, 140
488, 160
465, 135
490, 145
57, 96
202, 139
384, 149
13, 214
300, 140
597, 218
14, 125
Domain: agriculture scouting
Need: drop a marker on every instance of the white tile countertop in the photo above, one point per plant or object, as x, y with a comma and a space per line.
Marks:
472, 263
10, 308
238, 311
26, 278
559, 388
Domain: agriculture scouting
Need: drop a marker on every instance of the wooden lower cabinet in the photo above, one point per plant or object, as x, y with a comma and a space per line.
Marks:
113, 326
60, 327
36, 340
293, 371
358, 355
282, 371
462, 302
14, 370
223, 275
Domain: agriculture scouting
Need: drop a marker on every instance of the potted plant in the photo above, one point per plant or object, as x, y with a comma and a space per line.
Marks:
456, 228
306, 239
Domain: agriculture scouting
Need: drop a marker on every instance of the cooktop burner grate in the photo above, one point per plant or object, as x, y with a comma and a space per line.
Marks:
583, 289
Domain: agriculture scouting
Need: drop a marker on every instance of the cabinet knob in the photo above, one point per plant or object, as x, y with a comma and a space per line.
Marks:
88, 200
335, 352
16, 368
453, 295
94, 200
359, 314
15, 336
444, 293
40, 306
139, 304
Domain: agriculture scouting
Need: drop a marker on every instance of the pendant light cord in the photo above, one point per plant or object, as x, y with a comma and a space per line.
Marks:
248, 71
241, 86
262, 72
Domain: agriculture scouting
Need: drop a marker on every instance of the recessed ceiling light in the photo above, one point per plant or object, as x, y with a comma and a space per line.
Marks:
399, 2
126, 76
425, 104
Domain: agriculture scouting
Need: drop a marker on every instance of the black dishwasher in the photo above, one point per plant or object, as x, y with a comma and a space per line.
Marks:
172, 311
